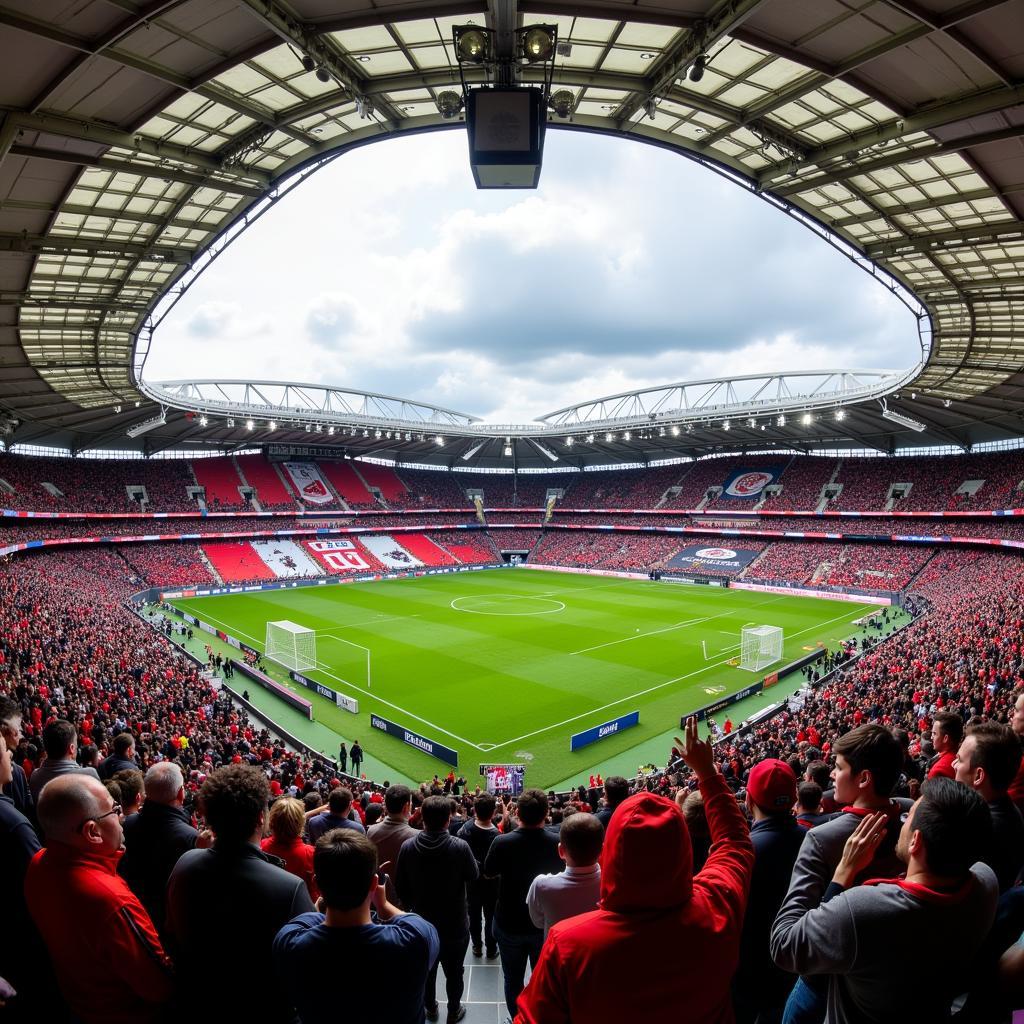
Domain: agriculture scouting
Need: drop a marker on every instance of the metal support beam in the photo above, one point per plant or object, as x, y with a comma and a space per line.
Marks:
222, 183
719, 21
97, 246
939, 241
925, 119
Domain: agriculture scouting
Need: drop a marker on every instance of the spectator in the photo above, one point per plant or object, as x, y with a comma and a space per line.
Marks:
868, 761
616, 789
516, 859
553, 898
759, 988
156, 837
388, 959
60, 741
233, 881
122, 759
343, 758
1017, 725
652, 907
26, 965
356, 754
287, 820
947, 735
337, 815
10, 729
434, 868
987, 762
389, 835
483, 893
850, 937
121, 975
131, 792
808, 802
692, 805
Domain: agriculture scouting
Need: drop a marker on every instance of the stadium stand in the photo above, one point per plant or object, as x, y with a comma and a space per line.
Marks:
430, 489
271, 493
628, 488
426, 549
384, 478
219, 478
802, 483
516, 540
237, 561
474, 549
178, 564
348, 483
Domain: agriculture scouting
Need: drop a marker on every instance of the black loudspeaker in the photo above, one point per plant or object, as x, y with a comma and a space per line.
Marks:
506, 136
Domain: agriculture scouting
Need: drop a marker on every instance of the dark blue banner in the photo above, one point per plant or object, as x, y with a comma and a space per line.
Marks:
414, 739
600, 732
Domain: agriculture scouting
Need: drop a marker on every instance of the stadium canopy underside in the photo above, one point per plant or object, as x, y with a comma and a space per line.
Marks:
138, 138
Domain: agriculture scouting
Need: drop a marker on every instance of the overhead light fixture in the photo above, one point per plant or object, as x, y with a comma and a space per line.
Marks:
946, 403
137, 404
903, 421
330, 431
203, 421
508, 451
561, 102
609, 438
272, 425
569, 442
308, 63
807, 419
782, 420
651, 108
675, 431
449, 104
472, 44
148, 425
751, 422
439, 440
408, 436
231, 423
698, 66
537, 43
366, 433
249, 425
323, 75
726, 424
117, 408
627, 436
840, 415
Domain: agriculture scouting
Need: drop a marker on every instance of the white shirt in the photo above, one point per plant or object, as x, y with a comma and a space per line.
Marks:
553, 898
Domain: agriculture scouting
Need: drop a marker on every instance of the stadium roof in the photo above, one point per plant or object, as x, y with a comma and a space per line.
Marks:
138, 138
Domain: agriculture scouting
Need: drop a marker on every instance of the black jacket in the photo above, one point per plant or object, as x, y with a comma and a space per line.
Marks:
433, 870
154, 840
234, 892
110, 766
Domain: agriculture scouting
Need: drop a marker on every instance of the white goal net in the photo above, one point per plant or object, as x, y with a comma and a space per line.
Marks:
760, 646
291, 645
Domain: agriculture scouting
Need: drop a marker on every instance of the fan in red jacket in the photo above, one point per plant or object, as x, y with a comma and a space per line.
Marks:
664, 943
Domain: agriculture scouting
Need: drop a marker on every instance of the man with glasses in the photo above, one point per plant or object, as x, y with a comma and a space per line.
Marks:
105, 950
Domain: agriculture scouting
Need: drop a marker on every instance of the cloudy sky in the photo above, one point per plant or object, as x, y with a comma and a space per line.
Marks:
629, 266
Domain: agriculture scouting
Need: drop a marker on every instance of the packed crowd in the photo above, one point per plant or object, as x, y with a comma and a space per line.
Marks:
752, 856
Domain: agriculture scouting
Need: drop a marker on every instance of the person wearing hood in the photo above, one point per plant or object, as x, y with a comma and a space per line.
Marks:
433, 870
664, 943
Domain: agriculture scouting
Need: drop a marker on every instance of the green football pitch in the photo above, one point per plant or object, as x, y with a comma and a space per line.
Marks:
504, 666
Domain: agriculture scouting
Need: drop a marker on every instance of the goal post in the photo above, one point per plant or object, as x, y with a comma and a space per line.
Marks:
760, 646
291, 645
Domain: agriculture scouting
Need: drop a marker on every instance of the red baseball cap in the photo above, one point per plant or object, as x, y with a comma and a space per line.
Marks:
772, 785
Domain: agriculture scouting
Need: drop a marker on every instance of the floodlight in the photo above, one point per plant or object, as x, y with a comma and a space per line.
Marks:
698, 66
203, 421
147, 425
508, 451
609, 438
249, 425
840, 415
903, 421
807, 419
330, 431
651, 107
323, 75
590, 438
449, 104
726, 424
569, 441
675, 431
117, 408
231, 423
561, 102
272, 425
782, 420
538, 43
439, 440
751, 422
472, 44
627, 436
308, 63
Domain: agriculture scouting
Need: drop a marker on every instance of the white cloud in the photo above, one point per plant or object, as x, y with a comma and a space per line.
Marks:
629, 267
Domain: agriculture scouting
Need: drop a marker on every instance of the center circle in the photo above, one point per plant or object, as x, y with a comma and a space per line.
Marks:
498, 602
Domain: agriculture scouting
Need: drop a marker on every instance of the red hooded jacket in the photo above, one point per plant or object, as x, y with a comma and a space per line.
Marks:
664, 943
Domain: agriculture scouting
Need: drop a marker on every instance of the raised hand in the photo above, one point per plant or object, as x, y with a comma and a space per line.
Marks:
860, 848
696, 753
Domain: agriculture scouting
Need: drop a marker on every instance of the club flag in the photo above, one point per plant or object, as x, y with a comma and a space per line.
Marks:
309, 483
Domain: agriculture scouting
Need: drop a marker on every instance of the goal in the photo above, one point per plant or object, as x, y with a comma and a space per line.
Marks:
291, 645
760, 646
